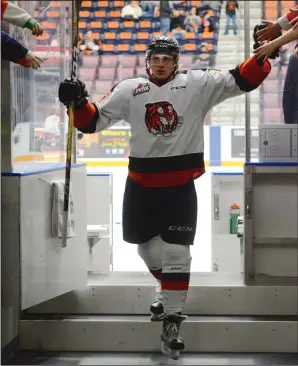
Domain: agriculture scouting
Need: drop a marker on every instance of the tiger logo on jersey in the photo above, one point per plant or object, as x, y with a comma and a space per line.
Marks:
161, 118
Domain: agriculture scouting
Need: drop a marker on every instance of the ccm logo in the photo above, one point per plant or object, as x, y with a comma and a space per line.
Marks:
180, 228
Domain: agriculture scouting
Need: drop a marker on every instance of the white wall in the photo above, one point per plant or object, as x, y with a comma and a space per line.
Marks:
125, 257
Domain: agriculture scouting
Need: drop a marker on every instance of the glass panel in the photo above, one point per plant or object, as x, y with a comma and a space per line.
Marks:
271, 91
41, 121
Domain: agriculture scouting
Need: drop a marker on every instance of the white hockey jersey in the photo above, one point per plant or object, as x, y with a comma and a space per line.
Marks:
167, 133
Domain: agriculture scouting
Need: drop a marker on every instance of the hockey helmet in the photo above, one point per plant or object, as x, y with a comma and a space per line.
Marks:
163, 44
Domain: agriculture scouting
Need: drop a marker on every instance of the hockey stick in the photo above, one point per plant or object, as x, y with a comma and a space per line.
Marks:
75, 52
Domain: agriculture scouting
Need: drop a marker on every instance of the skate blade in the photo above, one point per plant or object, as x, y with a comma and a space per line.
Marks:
172, 353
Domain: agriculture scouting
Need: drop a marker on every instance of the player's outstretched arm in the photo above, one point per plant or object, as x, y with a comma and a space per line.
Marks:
94, 117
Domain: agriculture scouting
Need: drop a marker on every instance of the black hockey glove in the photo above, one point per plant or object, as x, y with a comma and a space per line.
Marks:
257, 44
73, 91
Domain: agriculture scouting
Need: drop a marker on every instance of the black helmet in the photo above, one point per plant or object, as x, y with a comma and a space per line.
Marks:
163, 44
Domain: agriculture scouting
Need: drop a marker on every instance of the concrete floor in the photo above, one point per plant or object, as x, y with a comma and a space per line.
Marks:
131, 359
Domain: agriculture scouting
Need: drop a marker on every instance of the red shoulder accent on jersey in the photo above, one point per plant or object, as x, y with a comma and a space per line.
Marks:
291, 15
4, 4
252, 72
83, 117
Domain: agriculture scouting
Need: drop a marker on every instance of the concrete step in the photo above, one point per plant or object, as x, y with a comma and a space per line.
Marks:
139, 334
209, 294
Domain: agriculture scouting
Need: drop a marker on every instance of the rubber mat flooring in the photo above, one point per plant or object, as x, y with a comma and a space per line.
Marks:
132, 359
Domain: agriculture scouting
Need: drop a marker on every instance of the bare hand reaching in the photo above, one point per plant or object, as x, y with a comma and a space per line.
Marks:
37, 30
33, 61
265, 50
269, 32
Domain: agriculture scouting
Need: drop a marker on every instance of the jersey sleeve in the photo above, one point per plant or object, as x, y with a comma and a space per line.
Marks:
216, 86
13, 14
12, 50
113, 107
288, 20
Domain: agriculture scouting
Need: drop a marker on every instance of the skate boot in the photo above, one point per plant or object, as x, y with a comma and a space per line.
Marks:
156, 309
172, 343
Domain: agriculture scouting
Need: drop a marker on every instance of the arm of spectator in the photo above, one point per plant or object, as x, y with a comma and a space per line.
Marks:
19, 17
138, 13
267, 49
125, 12
14, 51
287, 21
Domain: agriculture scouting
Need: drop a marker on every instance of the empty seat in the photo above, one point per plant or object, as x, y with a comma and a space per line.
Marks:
108, 48
103, 4
104, 85
141, 71
126, 73
190, 47
113, 25
140, 47
109, 60
125, 37
85, 14
96, 25
124, 48
86, 4
128, 25
100, 14
109, 37
87, 73
90, 61
106, 73
186, 60
115, 14
119, 4
127, 60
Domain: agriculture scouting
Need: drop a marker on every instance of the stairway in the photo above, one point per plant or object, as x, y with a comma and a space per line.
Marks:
230, 52
111, 315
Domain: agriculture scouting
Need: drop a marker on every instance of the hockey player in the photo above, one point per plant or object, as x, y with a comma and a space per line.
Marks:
166, 115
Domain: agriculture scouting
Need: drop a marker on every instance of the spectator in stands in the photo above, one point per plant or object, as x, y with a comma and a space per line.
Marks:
214, 5
192, 21
231, 8
165, 10
204, 59
206, 21
17, 16
176, 20
90, 45
14, 51
290, 92
178, 32
132, 11
148, 8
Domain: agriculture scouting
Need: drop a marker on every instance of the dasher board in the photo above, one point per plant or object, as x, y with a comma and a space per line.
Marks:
209, 294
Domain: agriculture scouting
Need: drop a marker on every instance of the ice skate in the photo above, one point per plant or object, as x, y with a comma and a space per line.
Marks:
172, 343
156, 309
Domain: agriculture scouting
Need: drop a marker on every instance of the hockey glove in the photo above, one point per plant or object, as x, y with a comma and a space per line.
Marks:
73, 91
256, 45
